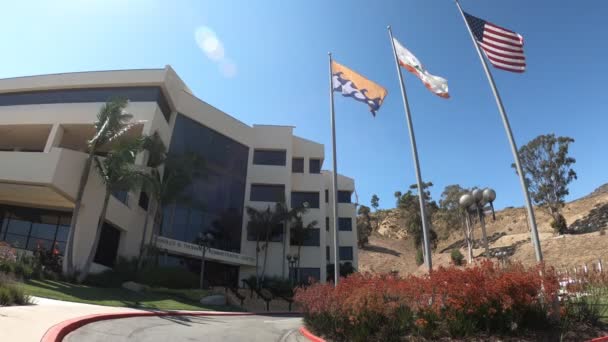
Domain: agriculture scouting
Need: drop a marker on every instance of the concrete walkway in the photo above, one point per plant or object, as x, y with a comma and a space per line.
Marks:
29, 323
189, 328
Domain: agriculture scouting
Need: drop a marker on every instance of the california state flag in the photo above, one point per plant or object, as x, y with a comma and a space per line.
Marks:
436, 84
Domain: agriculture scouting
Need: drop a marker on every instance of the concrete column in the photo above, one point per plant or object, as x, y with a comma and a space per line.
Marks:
54, 138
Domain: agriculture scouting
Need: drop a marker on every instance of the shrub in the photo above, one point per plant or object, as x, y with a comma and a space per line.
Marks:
559, 224
23, 270
124, 270
169, 277
449, 302
457, 257
10, 294
419, 257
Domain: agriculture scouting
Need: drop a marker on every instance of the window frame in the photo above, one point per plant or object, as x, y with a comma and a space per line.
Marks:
310, 163
351, 252
343, 219
257, 156
313, 205
293, 165
279, 198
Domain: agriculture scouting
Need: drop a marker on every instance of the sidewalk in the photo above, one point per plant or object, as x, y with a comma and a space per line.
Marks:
29, 323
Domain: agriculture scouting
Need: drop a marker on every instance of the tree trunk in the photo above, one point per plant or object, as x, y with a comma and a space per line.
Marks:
202, 279
84, 178
87, 266
265, 255
140, 259
257, 262
296, 272
284, 251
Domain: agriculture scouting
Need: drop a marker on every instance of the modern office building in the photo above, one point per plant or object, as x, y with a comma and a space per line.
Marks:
46, 120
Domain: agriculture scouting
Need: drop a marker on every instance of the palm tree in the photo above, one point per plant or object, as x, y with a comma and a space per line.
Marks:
286, 216
112, 122
178, 174
259, 225
298, 234
118, 173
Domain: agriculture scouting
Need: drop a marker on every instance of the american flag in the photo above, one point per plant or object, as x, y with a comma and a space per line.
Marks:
504, 48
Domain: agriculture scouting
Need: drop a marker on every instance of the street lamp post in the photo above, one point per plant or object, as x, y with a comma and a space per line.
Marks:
203, 242
292, 260
474, 203
465, 202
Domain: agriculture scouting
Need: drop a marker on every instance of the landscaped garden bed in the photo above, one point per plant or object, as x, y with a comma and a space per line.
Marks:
484, 302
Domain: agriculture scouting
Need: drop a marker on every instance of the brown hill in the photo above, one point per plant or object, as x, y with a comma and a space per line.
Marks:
390, 249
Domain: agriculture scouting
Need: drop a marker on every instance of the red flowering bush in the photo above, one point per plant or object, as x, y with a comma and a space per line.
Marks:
449, 302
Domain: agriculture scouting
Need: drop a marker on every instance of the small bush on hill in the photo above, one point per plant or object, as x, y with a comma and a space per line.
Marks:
457, 257
419, 257
451, 302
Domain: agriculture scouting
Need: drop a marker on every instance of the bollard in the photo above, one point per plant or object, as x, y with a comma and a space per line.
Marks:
599, 265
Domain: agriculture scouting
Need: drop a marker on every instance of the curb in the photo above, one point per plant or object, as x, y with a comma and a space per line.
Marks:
312, 337
600, 339
57, 332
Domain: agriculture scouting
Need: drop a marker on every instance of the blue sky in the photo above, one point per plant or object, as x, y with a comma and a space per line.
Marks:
273, 70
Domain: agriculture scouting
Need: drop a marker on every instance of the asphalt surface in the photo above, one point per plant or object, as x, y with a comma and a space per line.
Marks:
191, 328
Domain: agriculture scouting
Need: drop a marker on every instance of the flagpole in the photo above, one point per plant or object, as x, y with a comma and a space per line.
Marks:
334, 176
425, 229
505, 121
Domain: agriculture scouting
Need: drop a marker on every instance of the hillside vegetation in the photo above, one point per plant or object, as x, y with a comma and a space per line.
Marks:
391, 249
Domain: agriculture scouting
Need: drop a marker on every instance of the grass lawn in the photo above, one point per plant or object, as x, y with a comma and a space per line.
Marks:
157, 299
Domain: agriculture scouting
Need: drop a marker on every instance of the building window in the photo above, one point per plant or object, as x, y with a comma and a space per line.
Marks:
311, 238
108, 245
327, 253
314, 166
346, 254
31, 229
88, 95
121, 196
144, 200
267, 192
276, 235
344, 196
345, 224
326, 196
269, 157
298, 198
297, 165
327, 223
305, 275
221, 191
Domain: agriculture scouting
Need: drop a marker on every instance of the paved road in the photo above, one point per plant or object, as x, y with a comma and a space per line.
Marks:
191, 328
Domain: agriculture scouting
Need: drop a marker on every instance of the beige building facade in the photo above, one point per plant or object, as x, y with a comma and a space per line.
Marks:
46, 120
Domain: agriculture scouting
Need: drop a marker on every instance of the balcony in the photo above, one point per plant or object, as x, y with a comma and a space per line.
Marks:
40, 179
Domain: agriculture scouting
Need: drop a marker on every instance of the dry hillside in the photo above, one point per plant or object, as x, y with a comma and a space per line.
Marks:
390, 249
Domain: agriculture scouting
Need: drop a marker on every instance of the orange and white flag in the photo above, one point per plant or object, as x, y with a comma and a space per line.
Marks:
435, 84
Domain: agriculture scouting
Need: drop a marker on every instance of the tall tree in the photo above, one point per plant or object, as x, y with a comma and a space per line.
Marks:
409, 206
168, 187
364, 226
286, 216
298, 234
118, 173
548, 171
260, 225
112, 122
450, 213
375, 202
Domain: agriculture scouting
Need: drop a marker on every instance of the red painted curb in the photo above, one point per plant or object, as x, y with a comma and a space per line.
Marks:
599, 339
57, 332
312, 337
